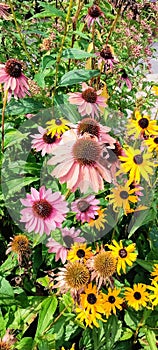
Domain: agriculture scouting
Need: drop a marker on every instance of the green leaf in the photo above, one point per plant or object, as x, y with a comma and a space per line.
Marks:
25, 344
127, 334
6, 291
40, 78
78, 76
13, 137
48, 308
17, 184
147, 265
50, 11
151, 339
138, 219
76, 54
23, 106
47, 61
8, 265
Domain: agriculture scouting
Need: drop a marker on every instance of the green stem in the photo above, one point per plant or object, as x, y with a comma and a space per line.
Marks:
3, 114
74, 24
61, 47
113, 26
20, 34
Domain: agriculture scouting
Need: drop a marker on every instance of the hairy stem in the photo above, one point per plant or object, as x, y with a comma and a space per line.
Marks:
21, 35
61, 46
3, 114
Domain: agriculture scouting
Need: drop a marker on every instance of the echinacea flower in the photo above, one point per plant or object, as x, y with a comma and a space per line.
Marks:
124, 255
7, 341
154, 296
79, 252
13, 78
137, 297
4, 11
88, 101
121, 197
44, 142
19, 245
85, 208
94, 12
136, 164
141, 125
152, 143
91, 306
106, 57
89, 126
124, 78
103, 266
69, 237
44, 210
74, 277
112, 301
99, 220
79, 165
57, 127
154, 273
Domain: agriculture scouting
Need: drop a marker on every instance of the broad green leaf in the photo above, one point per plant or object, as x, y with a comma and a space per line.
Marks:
50, 11
147, 265
47, 342
76, 54
127, 334
48, 61
78, 76
9, 264
16, 185
48, 308
40, 78
23, 106
6, 292
138, 219
13, 137
25, 344
151, 339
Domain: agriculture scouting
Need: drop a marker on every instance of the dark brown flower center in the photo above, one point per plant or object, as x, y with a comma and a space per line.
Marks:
138, 159
94, 11
124, 74
83, 205
89, 95
88, 125
156, 140
80, 253
13, 68
137, 295
86, 152
123, 253
91, 298
42, 208
68, 241
106, 53
58, 122
111, 299
124, 194
143, 123
48, 139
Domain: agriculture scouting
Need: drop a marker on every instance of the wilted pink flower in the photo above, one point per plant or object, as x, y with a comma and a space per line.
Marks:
106, 55
44, 210
13, 78
91, 127
124, 78
61, 249
94, 12
79, 164
85, 208
88, 101
44, 142
3, 11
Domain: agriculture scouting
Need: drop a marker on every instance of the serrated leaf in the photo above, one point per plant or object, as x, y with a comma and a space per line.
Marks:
76, 54
78, 76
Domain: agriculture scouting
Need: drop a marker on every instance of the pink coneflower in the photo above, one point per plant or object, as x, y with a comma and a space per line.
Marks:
70, 236
79, 164
124, 78
91, 127
94, 12
85, 208
44, 210
88, 101
4, 11
106, 55
44, 142
13, 78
